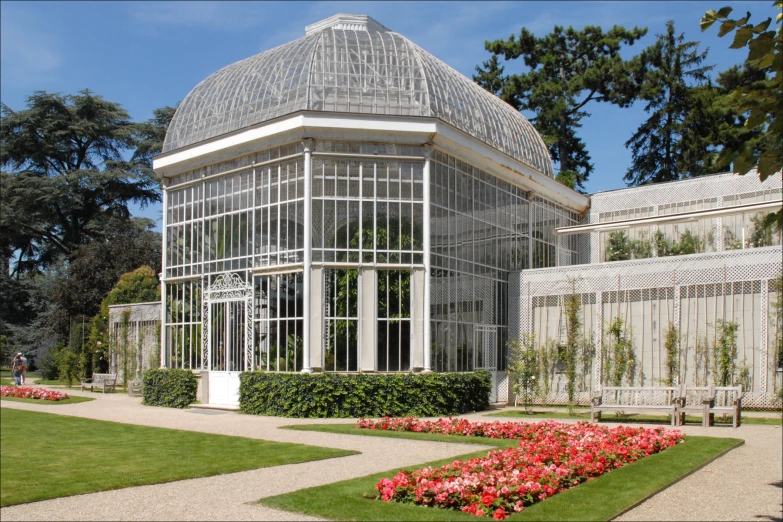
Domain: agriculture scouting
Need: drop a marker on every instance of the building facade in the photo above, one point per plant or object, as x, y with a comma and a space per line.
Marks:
688, 264
347, 202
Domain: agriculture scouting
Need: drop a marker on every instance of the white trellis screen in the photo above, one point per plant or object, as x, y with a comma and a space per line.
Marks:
134, 338
690, 292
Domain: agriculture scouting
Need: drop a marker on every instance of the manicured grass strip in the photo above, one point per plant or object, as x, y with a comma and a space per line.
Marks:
537, 415
600, 499
72, 400
85, 455
349, 429
621, 489
6, 382
642, 419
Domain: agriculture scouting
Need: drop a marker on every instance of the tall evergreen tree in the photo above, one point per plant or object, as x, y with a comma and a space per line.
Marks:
567, 70
65, 176
669, 145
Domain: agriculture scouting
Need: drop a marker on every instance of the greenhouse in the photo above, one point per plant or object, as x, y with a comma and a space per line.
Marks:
347, 202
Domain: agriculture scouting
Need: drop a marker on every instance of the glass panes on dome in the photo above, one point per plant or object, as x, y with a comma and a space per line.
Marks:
362, 70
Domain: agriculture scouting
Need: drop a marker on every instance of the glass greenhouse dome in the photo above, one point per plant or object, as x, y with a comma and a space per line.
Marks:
347, 202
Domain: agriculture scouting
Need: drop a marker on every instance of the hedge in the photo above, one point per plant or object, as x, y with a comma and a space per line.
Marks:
170, 387
324, 395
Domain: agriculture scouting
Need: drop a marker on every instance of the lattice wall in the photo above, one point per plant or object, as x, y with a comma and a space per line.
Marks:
134, 338
690, 292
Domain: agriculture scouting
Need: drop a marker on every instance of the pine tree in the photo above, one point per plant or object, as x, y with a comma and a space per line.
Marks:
567, 70
676, 135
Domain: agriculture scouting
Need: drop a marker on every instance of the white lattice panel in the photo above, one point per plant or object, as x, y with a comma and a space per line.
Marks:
711, 188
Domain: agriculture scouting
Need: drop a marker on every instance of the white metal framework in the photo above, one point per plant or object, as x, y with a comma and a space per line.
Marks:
377, 241
351, 63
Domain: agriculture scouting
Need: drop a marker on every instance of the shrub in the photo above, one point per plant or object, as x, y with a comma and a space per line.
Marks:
326, 395
173, 388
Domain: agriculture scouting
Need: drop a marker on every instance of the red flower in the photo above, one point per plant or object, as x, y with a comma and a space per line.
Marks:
551, 457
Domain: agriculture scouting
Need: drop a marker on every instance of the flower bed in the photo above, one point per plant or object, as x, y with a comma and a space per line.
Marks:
32, 393
551, 457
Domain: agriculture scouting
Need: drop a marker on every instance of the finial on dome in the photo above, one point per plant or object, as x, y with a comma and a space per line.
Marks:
347, 21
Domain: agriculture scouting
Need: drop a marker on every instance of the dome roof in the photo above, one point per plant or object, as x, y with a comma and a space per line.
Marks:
351, 63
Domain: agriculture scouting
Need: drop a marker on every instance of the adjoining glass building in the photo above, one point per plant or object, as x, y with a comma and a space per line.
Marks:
347, 202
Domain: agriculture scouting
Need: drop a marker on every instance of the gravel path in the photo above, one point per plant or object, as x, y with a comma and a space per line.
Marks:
743, 485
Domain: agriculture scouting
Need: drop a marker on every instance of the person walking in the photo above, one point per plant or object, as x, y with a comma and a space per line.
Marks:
17, 368
24, 369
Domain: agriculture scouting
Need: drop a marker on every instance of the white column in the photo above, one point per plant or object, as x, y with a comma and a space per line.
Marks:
308, 247
163, 299
368, 313
314, 317
427, 260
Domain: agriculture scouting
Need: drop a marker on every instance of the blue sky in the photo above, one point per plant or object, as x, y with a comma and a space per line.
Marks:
145, 55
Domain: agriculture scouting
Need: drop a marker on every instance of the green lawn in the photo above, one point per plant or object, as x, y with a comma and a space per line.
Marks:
72, 400
74, 455
652, 419
600, 499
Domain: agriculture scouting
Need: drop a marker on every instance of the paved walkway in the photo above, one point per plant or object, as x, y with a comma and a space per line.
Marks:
743, 485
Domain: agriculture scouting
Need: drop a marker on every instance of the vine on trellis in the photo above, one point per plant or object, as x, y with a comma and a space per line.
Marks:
619, 356
724, 353
672, 346
523, 368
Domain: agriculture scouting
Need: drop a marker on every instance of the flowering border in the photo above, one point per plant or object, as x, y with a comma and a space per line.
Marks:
551, 458
32, 393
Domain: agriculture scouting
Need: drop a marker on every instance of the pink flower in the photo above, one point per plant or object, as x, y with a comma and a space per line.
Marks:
551, 457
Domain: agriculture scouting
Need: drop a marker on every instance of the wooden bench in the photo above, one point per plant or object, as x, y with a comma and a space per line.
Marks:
724, 400
694, 400
104, 380
620, 399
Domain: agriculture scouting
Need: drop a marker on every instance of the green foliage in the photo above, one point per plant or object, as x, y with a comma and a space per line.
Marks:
674, 138
761, 100
671, 344
618, 247
776, 318
619, 361
522, 368
569, 68
325, 395
138, 286
725, 352
169, 387
69, 178
68, 365
570, 354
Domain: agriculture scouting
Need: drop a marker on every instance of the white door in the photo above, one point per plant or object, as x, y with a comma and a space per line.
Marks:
227, 351
485, 350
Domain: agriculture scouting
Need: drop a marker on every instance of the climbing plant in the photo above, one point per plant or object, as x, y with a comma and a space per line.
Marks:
572, 310
619, 355
523, 368
672, 346
724, 352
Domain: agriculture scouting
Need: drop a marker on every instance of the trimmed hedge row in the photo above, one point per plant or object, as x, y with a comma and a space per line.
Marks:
169, 387
323, 395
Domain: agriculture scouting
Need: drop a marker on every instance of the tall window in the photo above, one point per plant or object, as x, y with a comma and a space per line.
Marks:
341, 318
394, 320
183, 325
351, 199
279, 322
